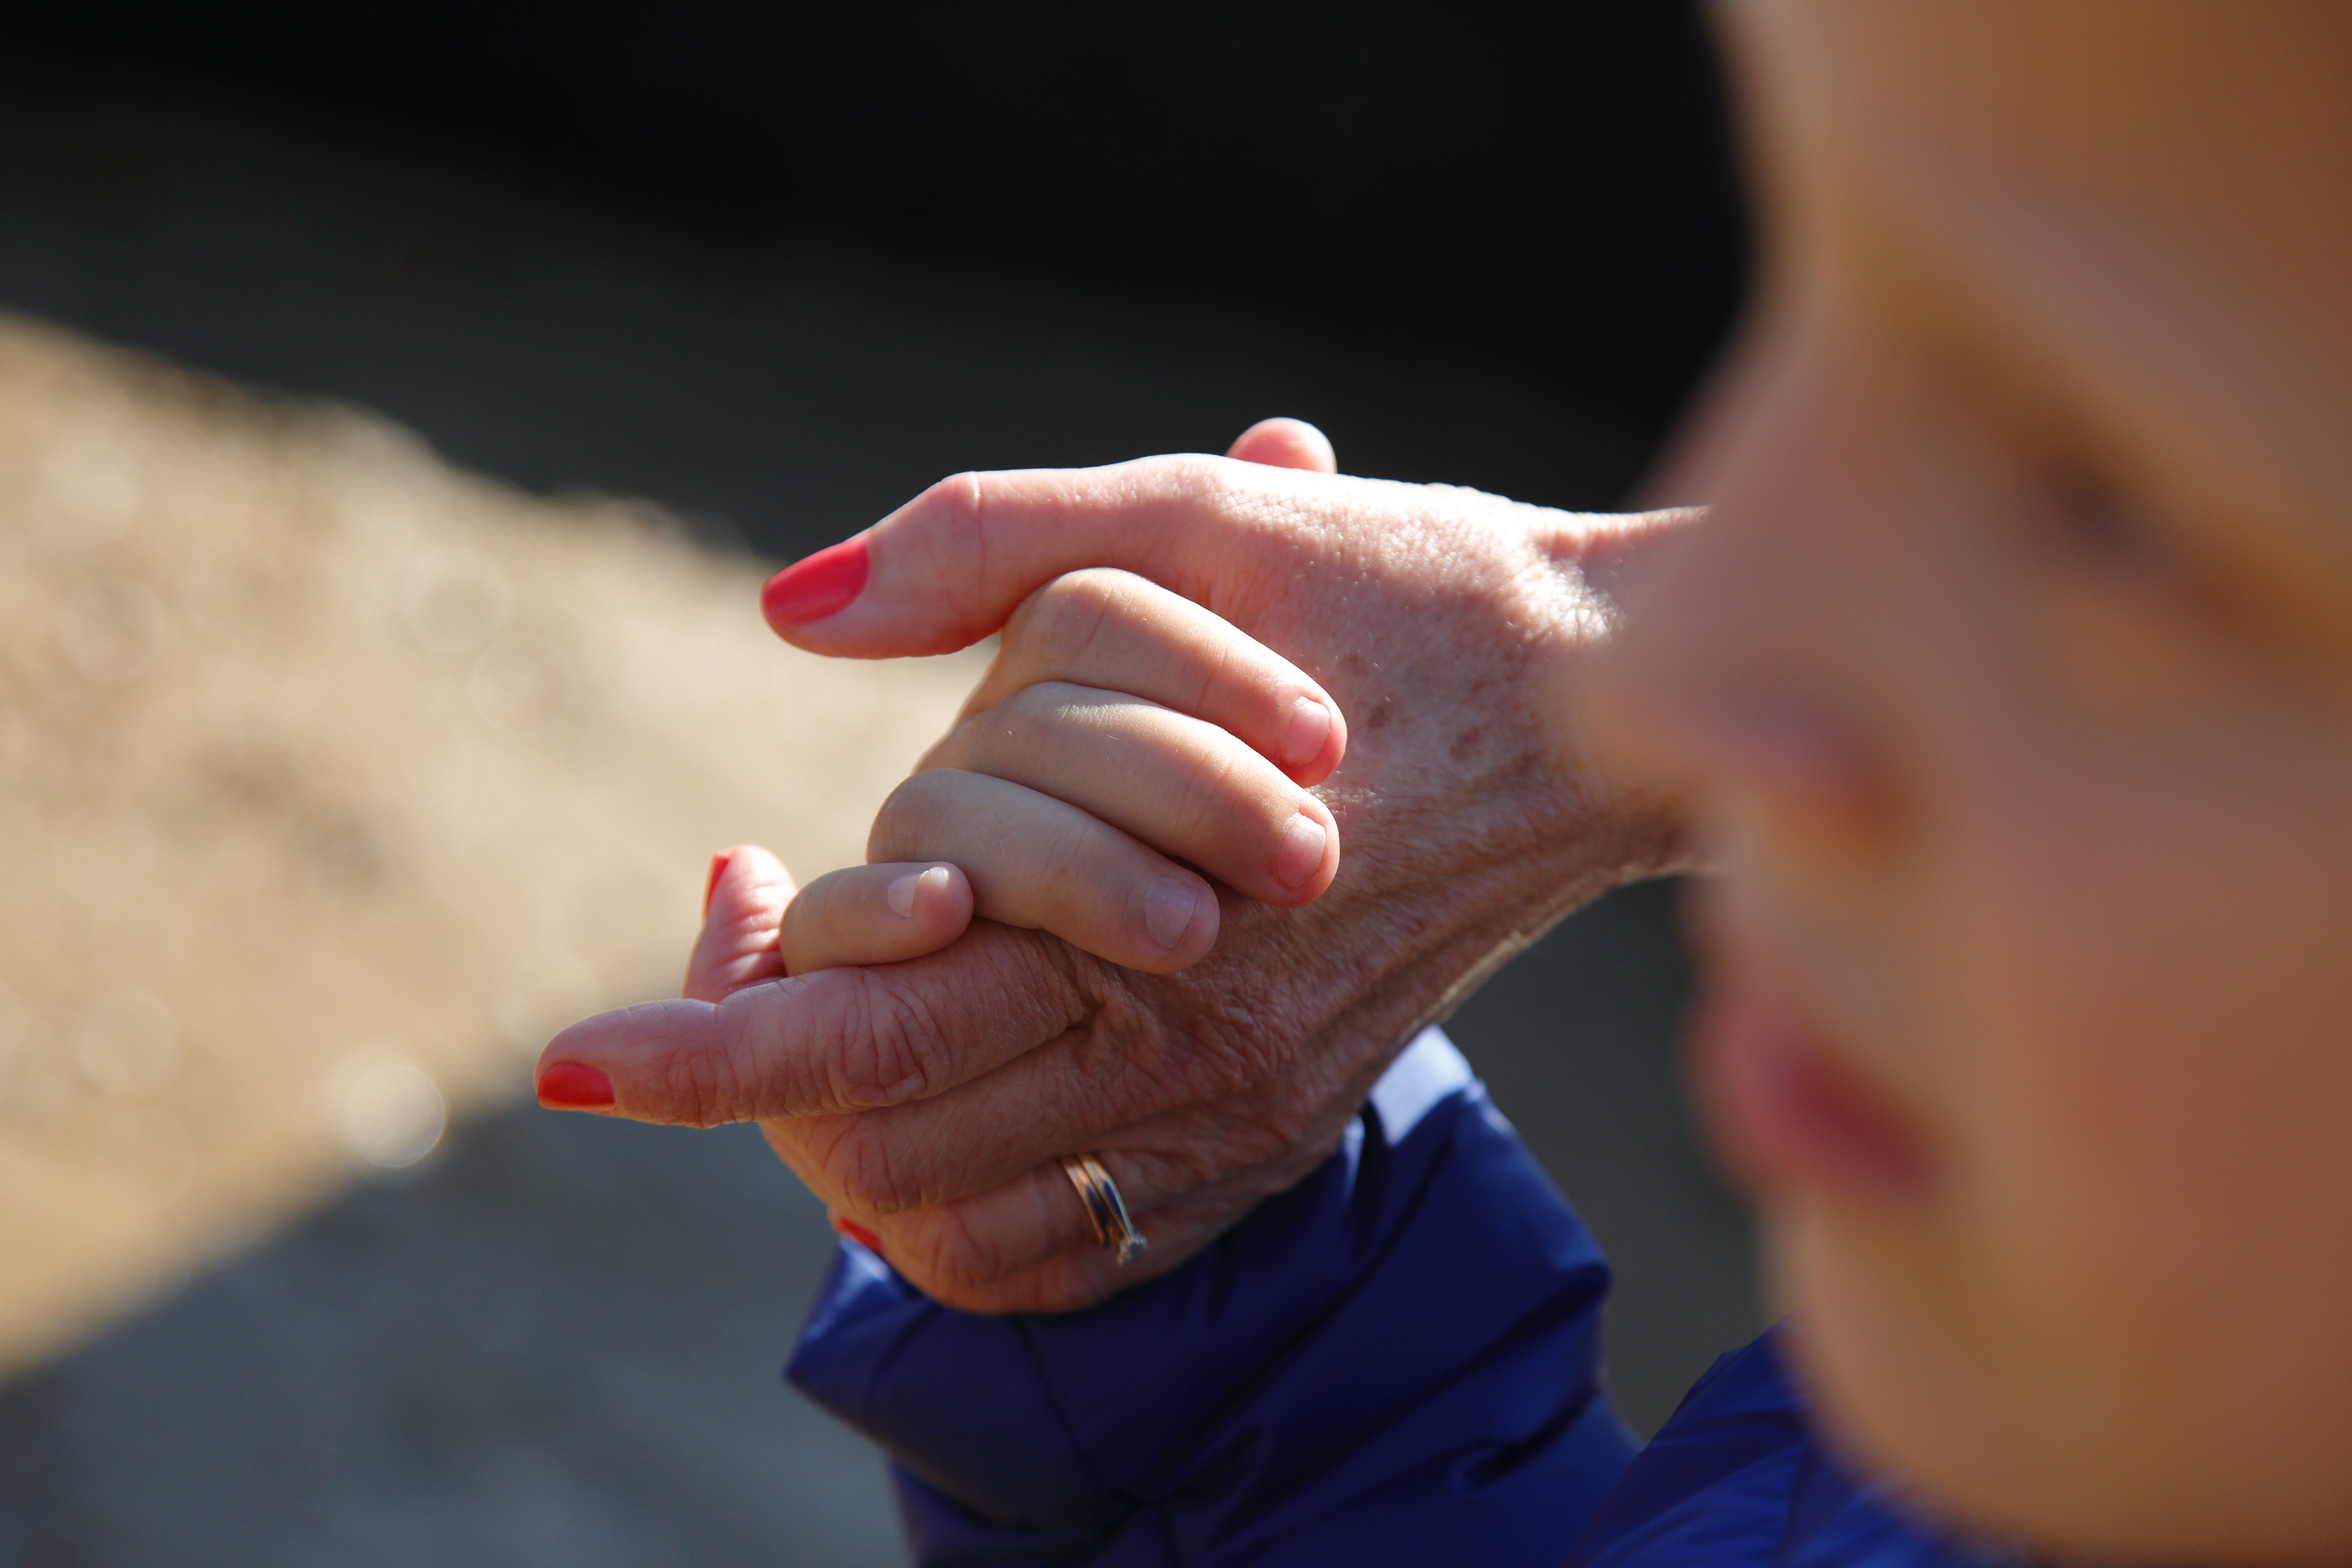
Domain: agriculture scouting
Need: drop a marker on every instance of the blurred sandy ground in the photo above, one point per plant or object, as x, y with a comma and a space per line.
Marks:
331, 776
331, 781
336, 781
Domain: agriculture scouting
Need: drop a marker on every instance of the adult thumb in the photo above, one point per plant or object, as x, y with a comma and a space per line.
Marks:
948, 567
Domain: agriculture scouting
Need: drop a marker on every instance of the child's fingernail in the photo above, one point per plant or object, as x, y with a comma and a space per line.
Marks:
902, 894
860, 1235
574, 1086
1310, 726
811, 589
1301, 852
1168, 910
718, 869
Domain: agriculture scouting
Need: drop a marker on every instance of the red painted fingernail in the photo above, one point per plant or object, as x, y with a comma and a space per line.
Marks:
860, 1235
718, 869
811, 589
574, 1086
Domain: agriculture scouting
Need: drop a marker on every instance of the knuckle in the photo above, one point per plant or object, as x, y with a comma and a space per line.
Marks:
1169, 1172
1029, 710
1212, 786
955, 550
1043, 715
907, 817
953, 1254
956, 498
1228, 495
1058, 625
1067, 861
812, 912
1216, 1068
714, 1084
1197, 476
1273, 1131
863, 1165
1291, 1112
886, 1045
1215, 676
1191, 486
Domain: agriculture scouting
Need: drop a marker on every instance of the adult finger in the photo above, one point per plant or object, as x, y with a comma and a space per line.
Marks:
1185, 787
874, 914
946, 569
742, 905
1046, 865
962, 1253
833, 1041
977, 1253
1082, 1276
1117, 631
1170, 1113
1286, 444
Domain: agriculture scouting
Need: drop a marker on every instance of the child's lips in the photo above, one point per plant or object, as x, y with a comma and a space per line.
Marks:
1786, 1110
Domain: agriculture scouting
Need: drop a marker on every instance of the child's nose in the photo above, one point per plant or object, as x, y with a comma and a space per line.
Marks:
1734, 681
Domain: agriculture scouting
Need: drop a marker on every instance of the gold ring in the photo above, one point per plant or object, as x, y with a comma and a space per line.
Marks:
1105, 1210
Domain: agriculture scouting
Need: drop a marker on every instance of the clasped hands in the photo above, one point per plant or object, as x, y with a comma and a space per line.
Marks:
1109, 911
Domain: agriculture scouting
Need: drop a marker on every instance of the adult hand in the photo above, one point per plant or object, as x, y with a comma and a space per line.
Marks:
926, 1102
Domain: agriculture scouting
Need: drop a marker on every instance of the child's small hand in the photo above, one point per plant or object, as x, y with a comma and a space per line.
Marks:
1119, 725
1121, 730
1116, 722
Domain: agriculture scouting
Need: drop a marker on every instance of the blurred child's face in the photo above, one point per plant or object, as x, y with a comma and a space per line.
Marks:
2016, 668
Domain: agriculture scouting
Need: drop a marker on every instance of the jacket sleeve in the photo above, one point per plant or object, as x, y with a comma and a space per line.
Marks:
1395, 1362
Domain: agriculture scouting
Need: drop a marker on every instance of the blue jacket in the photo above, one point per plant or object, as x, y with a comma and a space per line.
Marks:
1396, 1362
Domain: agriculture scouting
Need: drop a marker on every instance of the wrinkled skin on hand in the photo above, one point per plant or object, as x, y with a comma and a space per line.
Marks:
925, 1101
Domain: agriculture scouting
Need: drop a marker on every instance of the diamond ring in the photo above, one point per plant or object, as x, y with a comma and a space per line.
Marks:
1105, 1210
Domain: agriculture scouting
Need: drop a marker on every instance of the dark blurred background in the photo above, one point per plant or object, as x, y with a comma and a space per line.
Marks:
779, 266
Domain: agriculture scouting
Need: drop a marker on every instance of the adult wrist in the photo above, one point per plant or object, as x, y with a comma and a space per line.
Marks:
1588, 569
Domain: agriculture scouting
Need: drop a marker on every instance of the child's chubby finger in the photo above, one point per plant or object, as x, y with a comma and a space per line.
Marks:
742, 904
1045, 865
1119, 632
1181, 785
875, 914
1284, 443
